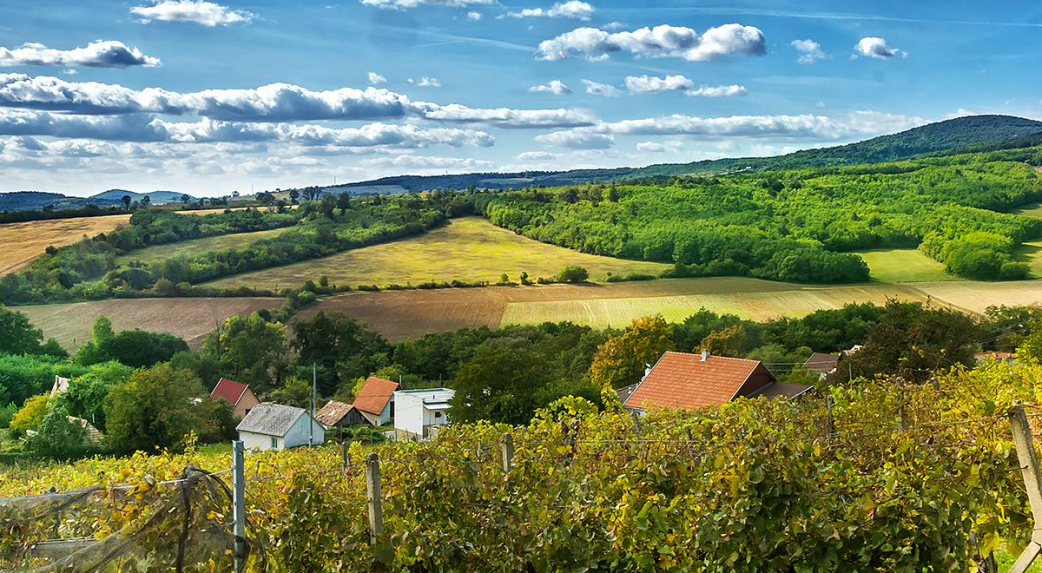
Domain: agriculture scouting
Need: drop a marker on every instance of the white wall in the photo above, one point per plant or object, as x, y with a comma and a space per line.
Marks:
412, 416
259, 442
383, 418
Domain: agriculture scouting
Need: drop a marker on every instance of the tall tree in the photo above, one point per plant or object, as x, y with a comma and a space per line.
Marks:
155, 408
17, 335
621, 360
252, 348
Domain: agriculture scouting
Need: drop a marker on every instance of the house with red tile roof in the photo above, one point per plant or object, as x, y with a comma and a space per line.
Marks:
375, 401
685, 381
238, 395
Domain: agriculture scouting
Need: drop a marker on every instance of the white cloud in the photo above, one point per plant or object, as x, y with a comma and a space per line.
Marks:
600, 89
577, 139
572, 9
376, 79
474, 16
410, 4
659, 42
537, 156
100, 54
555, 87
426, 82
192, 11
717, 91
872, 47
652, 84
435, 163
270, 103
810, 51
655, 147
69, 72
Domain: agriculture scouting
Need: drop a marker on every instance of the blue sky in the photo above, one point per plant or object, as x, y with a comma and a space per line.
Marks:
208, 97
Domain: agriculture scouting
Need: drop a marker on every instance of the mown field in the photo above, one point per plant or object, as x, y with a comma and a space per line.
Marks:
199, 246
469, 249
23, 242
903, 266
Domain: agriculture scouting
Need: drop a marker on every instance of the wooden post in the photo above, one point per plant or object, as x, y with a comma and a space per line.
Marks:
636, 421
1029, 469
830, 422
346, 455
507, 447
239, 503
372, 488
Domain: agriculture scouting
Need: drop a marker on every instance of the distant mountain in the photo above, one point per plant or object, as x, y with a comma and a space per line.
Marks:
156, 197
32, 200
36, 200
952, 134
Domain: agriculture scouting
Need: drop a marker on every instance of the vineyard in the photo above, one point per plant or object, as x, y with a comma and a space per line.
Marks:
878, 476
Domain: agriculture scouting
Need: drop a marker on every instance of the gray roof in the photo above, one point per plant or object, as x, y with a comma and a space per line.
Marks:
270, 419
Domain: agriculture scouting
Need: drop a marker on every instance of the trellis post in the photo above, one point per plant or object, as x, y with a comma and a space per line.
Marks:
1029, 469
239, 503
507, 448
372, 487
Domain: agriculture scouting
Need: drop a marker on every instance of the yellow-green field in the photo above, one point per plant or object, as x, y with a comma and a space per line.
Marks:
469, 249
23, 242
903, 266
199, 246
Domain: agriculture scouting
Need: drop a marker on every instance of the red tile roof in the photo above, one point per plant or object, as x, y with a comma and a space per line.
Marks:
375, 394
333, 412
683, 381
230, 390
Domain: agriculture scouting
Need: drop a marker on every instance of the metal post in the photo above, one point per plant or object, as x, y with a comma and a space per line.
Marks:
239, 503
1029, 469
372, 487
507, 447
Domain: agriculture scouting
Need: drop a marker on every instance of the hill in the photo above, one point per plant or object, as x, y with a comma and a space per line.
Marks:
980, 131
37, 200
156, 197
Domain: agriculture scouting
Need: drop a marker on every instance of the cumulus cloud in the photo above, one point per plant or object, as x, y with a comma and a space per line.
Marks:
537, 156
717, 91
410, 4
438, 163
651, 84
474, 16
270, 103
597, 88
872, 47
810, 51
376, 79
426, 82
555, 87
100, 54
663, 41
572, 9
576, 139
655, 147
191, 11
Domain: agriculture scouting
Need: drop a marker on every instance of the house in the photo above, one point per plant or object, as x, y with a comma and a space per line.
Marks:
339, 415
238, 395
375, 401
60, 385
626, 391
93, 435
680, 380
419, 414
277, 427
1006, 357
823, 364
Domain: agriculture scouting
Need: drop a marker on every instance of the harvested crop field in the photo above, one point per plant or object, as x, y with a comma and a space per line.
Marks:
469, 249
188, 318
199, 246
23, 242
976, 296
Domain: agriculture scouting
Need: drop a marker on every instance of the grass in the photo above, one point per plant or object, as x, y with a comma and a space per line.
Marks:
195, 247
903, 266
23, 242
469, 250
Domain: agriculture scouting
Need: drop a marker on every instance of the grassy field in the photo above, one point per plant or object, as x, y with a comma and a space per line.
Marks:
199, 246
23, 242
903, 266
188, 318
469, 249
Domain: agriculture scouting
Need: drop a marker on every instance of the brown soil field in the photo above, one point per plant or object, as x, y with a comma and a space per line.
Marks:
23, 242
188, 318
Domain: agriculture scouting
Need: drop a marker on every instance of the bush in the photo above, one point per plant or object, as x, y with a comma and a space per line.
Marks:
573, 274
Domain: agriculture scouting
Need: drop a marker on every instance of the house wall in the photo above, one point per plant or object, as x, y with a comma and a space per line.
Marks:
297, 435
352, 418
412, 417
246, 402
383, 418
760, 378
260, 442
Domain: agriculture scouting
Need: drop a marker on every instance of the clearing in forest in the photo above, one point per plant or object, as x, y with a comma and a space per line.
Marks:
196, 247
903, 266
468, 249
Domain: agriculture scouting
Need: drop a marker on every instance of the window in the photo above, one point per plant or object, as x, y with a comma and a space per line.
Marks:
274, 442
437, 415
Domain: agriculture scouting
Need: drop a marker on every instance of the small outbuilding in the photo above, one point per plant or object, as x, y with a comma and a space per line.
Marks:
823, 364
60, 385
420, 414
277, 427
339, 415
375, 401
238, 395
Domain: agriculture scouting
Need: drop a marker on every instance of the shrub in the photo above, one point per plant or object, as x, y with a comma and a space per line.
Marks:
573, 274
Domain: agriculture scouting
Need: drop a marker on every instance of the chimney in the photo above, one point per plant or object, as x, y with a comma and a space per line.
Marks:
705, 354
647, 370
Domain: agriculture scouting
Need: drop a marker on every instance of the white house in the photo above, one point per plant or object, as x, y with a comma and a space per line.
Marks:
419, 414
277, 427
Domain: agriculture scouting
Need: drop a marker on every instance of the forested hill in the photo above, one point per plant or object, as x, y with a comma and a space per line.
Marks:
982, 131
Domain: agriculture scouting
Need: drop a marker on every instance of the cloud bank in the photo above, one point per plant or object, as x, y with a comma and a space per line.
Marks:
663, 41
572, 9
100, 54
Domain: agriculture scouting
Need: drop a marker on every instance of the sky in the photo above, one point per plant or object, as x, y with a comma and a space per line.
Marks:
213, 97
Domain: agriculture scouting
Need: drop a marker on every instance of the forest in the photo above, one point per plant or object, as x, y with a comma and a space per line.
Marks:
795, 225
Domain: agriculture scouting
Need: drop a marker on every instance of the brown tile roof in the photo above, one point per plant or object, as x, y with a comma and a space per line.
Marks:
333, 412
626, 391
681, 380
230, 390
783, 389
374, 395
821, 362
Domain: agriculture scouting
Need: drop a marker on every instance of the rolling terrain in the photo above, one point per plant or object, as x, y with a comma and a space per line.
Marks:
23, 242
